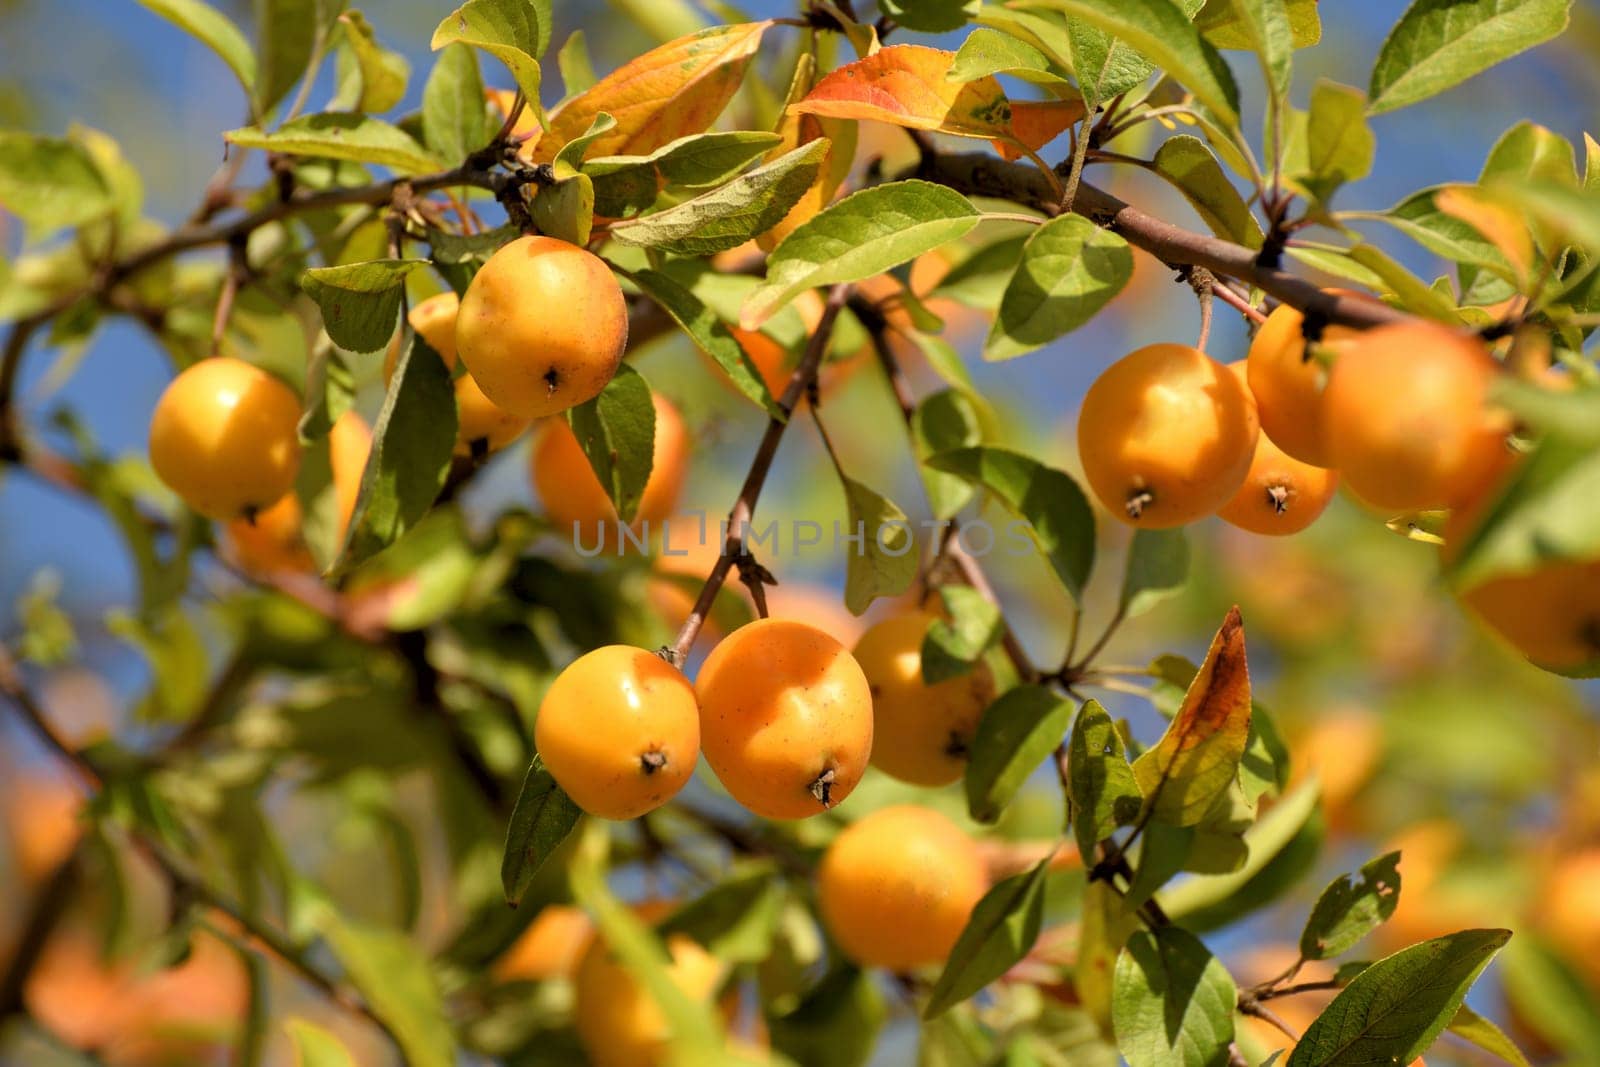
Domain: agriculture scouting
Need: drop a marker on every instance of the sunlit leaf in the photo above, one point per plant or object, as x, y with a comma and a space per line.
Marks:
1438, 44
1197, 760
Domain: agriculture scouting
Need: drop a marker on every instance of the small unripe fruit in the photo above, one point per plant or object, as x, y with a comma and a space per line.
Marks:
224, 438
1408, 420
1166, 436
619, 1024
274, 541
1287, 384
542, 326
573, 497
619, 731
480, 425
920, 733
897, 887
1280, 494
785, 718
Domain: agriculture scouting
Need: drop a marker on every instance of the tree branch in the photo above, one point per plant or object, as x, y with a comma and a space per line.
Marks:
733, 551
977, 174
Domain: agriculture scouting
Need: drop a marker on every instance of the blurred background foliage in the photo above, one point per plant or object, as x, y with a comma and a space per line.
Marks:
1426, 733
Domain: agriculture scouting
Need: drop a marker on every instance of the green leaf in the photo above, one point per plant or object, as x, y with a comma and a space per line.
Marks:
1531, 152
988, 52
1281, 847
1105, 65
341, 135
1188, 164
945, 421
710, 334
735, 919
617, 431
1070, 269
1394, 1009
1157, 568
455, 122
49, 182
1106, 924
864, 234
330, 390
1016, 734
360, 302
1196, 762
1161, 32
392, 974
884, 563
1055, 509
1572, 416
1546, 513
956, 642
836, 1023
1220, 23
411, 446
1265, 26
215, 30
1003, 927
383, 73
176, 656
577, 69
1102, 792
565, 209
571, 154
516, 32
1438, 44
287, 33
1340, 146
543, 817
627, 184
1172, 1004
980, 280
48, 636
1352, 907
727, 217
1419, 218
1470, 1026
1414, 294
930, 16
315, 1046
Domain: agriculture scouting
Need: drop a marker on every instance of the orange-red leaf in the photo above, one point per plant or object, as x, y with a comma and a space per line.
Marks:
1197, 759
798, 129
669, 92
1035, 123
906, 85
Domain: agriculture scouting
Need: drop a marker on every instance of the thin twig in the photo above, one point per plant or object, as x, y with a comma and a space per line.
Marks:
744, 506
182, 881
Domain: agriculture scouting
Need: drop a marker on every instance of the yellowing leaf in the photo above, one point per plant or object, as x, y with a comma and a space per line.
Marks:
798, 129
1197, 759
908, 85
1035, 123
669, 92
1504, 228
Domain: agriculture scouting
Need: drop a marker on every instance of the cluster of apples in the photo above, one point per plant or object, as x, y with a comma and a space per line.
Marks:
1402, 413
224, 435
